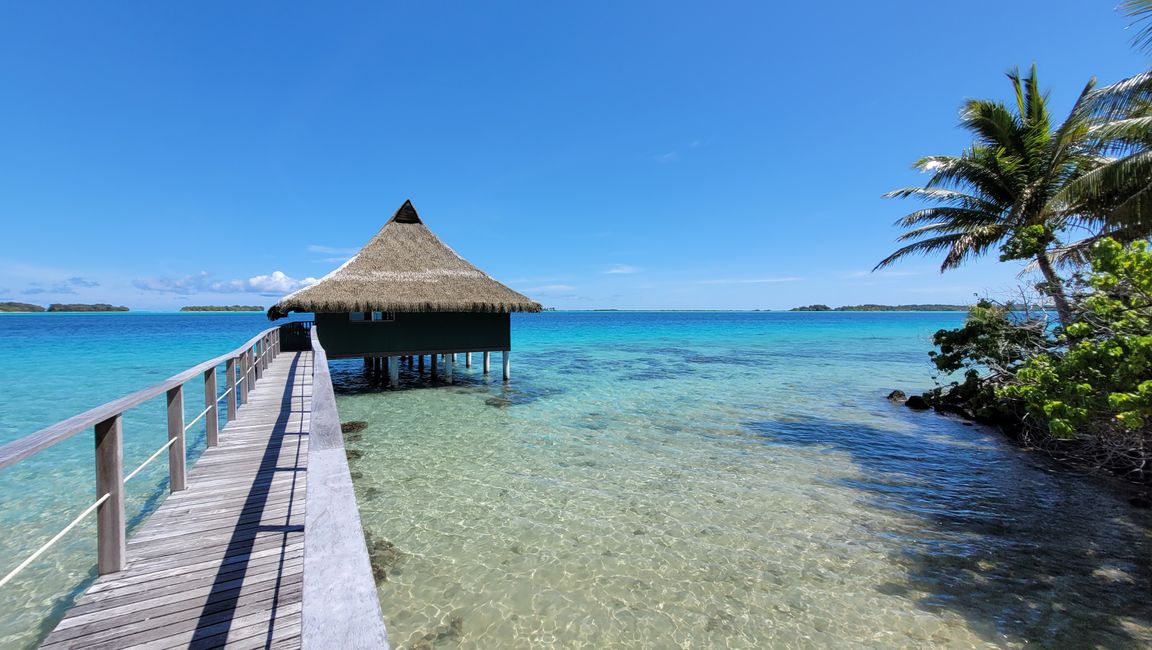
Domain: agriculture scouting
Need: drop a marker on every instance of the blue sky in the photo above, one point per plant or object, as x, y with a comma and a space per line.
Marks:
592, 155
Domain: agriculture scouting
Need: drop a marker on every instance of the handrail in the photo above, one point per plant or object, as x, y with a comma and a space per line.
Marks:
18, 450
106, 420
47, 545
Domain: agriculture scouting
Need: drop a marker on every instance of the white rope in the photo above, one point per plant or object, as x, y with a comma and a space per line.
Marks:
225, 394
202, 414
150, 459
40, 551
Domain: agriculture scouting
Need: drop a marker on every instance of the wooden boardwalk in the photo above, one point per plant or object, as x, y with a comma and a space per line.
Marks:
220, 564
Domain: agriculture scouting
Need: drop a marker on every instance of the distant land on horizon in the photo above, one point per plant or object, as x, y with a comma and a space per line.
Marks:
222, 308
871, 307
57, 307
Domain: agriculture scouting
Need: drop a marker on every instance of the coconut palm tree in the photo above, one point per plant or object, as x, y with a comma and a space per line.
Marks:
1001, 192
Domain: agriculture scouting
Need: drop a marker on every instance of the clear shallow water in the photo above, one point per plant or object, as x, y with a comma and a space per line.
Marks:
727, 480
53, 366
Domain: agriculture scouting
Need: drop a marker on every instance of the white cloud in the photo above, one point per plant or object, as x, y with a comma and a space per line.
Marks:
278, 282
67, 286
671, 156
621, 268
273, 284
751, 280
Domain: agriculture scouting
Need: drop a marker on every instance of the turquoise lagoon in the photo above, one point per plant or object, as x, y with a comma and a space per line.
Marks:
645, 480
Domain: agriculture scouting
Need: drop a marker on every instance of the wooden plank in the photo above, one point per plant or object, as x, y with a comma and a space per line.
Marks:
222, 562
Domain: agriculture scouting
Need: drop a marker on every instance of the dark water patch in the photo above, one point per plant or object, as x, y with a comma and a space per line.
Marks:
384, 556
520, 393
1027, 552
445, 633
595, 421
353, 426
742, 358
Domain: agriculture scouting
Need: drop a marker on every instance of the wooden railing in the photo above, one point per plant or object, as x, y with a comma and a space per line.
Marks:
243, 367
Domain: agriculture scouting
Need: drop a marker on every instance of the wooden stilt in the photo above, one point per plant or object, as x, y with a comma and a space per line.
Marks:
449, 367
394, 371
432, 361
507, 366
467, 359
487, 362
420, 367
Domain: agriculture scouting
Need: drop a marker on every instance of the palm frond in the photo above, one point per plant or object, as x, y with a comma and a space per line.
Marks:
992, 122
973, 243
1108, 184
978, 170
953, 198
1117, 100
1141, 10
1125, 131
958, 217
923, 247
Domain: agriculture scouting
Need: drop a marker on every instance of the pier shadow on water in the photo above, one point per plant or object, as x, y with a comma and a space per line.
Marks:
1026, 552
349, 377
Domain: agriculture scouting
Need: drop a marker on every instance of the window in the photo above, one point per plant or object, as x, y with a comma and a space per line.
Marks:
372, 316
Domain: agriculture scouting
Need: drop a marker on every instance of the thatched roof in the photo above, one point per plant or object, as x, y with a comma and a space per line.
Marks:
405, 268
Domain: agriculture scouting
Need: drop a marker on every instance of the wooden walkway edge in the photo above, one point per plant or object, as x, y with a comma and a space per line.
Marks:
342, 606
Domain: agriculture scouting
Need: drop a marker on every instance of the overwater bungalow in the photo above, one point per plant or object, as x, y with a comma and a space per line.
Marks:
404, 295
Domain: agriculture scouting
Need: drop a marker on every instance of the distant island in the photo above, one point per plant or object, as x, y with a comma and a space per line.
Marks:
19, 307
222, 308
56, 306
883, 308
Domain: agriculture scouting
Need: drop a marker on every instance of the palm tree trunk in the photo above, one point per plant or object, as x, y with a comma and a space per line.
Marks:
1054, 287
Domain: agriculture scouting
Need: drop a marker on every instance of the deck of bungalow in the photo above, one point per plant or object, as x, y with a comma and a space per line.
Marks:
258, 545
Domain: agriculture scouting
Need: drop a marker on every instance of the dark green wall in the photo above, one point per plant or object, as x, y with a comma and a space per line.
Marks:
414, 333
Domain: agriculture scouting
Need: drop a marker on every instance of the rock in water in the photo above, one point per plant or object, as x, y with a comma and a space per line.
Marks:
917, 402
897, 396
353, 426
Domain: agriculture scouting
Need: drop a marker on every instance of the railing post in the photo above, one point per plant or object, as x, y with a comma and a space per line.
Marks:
242, 366
258, 361
251, 372
212, 418
247, 375
110, 533
176, 430
230, 372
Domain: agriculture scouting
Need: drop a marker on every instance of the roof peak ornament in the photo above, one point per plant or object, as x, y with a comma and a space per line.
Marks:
406, 214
